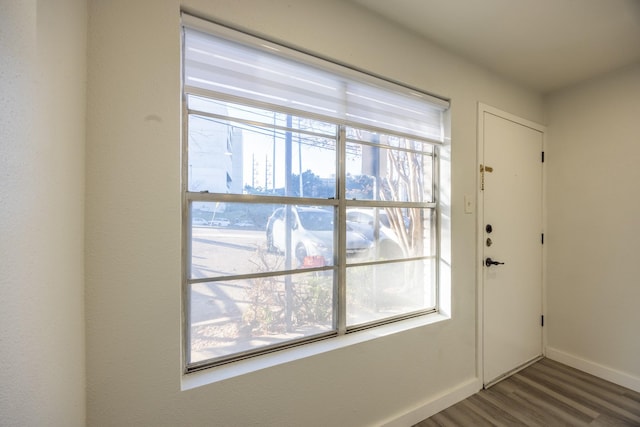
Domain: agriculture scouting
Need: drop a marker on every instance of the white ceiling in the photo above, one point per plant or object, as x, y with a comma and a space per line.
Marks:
543, 44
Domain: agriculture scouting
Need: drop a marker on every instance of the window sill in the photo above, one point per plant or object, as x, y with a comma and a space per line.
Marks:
242, 367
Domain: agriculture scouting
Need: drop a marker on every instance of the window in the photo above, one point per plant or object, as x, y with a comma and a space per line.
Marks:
310, 198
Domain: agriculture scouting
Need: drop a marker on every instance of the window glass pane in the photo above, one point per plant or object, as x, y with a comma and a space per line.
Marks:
394, 141
259, 115
380, 173
233, 316
230, 239
243, 158
395, 233
378, 291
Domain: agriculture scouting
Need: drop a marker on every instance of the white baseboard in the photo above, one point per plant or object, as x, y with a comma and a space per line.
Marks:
439, 403
604, 372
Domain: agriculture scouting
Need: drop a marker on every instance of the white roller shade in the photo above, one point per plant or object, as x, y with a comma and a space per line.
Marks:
242, 67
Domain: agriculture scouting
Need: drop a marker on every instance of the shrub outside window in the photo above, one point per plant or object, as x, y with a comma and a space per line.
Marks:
309, 196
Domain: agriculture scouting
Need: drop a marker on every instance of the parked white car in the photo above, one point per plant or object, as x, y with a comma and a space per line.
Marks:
364, 220
199, 221
220, 222
312, 231
245, 223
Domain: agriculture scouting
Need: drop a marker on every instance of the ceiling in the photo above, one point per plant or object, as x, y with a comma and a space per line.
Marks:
545, 45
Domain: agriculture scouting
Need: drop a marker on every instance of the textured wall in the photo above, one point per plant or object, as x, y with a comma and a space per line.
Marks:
133, 225
42, 135
594, 234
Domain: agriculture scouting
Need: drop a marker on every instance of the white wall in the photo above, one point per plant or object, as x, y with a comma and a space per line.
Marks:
594, 228
133, 224
42, 134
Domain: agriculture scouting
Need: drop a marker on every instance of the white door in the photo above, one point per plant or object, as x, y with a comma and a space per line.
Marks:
511, 234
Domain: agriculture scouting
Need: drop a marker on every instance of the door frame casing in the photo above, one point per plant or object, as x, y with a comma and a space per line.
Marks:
482, 109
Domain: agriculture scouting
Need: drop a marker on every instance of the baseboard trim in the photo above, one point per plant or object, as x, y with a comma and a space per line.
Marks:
437, 404
617, 377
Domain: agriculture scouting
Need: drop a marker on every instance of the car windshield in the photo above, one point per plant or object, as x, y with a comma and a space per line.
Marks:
316, 220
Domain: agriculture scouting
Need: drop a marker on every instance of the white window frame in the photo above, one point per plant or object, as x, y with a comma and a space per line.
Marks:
341, 335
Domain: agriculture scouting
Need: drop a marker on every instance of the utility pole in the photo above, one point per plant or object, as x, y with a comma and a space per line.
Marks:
253, 171
288, 221
266, 172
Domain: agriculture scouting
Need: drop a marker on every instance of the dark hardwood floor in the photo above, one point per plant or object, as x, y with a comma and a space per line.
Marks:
545, 394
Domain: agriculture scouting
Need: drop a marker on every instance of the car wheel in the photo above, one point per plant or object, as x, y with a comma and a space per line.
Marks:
270, 247
301, 254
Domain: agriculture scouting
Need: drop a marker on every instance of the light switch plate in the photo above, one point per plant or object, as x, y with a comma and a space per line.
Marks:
468, 204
